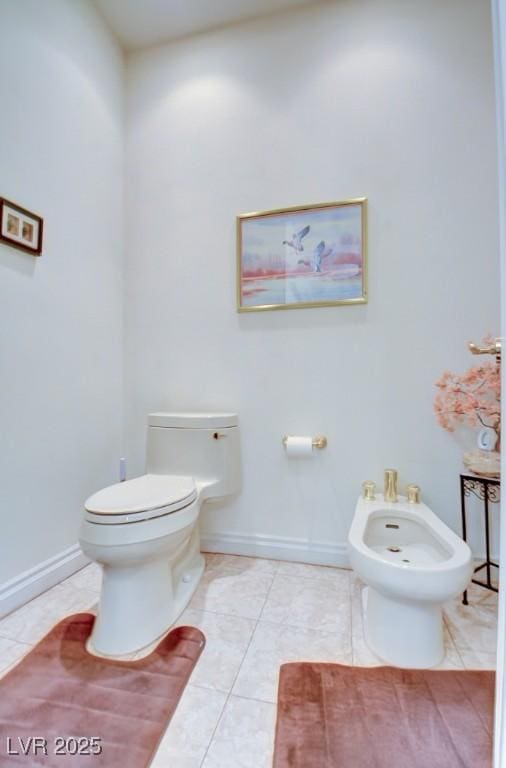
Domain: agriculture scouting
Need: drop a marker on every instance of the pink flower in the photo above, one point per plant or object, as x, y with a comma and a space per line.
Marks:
473, 398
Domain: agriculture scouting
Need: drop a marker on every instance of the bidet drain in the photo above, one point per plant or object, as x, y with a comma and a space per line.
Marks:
394, 549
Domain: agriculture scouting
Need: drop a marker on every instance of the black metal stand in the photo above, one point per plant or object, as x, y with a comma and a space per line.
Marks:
488, 490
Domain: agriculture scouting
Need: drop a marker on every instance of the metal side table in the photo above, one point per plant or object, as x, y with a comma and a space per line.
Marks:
488, 490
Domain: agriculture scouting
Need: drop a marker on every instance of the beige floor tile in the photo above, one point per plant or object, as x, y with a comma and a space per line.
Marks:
189, 734
478, 659
167, 757
275, 644
452, 658
304, 570
307, 613
313, 603
240, 563
227, 638
31, 622
88, 578
244, 737
473, 626
479, 596
232, 592
10, 653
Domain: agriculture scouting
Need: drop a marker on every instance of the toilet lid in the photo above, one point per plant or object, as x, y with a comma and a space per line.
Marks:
143, 494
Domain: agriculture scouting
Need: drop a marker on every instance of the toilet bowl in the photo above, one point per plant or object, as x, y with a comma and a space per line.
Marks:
144, 532
412, 563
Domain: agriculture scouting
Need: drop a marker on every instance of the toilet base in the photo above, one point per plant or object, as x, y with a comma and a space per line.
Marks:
402, 633
141, 600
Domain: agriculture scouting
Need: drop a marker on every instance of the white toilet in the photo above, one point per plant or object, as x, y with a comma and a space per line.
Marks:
412, 563
144, 532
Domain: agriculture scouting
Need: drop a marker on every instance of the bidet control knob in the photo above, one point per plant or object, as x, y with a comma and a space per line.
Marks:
413, 494
368, 488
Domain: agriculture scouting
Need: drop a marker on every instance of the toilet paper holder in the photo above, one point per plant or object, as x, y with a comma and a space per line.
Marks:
320, 441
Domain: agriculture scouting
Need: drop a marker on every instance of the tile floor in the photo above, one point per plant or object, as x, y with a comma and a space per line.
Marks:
255, 614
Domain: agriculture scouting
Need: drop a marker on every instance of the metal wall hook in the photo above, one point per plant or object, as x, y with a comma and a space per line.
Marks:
494, 349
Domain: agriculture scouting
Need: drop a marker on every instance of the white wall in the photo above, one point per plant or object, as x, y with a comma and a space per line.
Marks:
391, 100
61, 154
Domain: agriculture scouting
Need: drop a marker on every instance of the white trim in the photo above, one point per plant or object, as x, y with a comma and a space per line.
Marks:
276, 548
499, 31
27, 585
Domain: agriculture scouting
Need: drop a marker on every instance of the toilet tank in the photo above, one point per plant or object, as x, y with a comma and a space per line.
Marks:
204, 446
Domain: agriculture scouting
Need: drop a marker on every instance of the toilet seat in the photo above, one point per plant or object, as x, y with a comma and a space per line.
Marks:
142, 498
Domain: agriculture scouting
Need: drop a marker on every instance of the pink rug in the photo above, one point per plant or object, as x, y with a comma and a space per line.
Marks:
61, 706
332, 716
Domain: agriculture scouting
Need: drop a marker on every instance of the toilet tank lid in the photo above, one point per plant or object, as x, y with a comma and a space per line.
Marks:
193, 420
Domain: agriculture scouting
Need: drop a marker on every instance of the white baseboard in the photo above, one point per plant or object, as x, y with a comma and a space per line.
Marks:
31, 583
26, 586
276, 548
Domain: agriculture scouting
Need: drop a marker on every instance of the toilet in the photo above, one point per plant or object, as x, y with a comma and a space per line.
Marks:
412, 563
144, 532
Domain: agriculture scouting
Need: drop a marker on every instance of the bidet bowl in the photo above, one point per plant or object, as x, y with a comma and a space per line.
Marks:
412, 563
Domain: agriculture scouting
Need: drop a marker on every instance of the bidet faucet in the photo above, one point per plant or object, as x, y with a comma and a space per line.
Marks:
390, 488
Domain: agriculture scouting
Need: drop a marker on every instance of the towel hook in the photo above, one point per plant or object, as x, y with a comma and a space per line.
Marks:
493, 349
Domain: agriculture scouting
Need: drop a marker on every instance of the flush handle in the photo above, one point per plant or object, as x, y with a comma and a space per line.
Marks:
219, 435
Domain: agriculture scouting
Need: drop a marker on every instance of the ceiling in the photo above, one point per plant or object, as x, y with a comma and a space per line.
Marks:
141, 23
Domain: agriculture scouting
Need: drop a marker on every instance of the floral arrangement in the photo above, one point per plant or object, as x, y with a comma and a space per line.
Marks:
472, 398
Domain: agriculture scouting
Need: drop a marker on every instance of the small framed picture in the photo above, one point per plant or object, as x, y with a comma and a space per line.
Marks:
307, 256
20, 228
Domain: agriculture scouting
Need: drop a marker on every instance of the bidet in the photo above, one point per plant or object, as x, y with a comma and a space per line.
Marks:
412, 563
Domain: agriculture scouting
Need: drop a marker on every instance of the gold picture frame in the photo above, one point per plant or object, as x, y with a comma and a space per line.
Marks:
303, 256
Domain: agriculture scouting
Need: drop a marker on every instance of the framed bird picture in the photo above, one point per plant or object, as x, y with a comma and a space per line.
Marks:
305, 256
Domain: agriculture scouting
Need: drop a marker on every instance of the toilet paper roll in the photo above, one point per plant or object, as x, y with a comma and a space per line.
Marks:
299, 447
